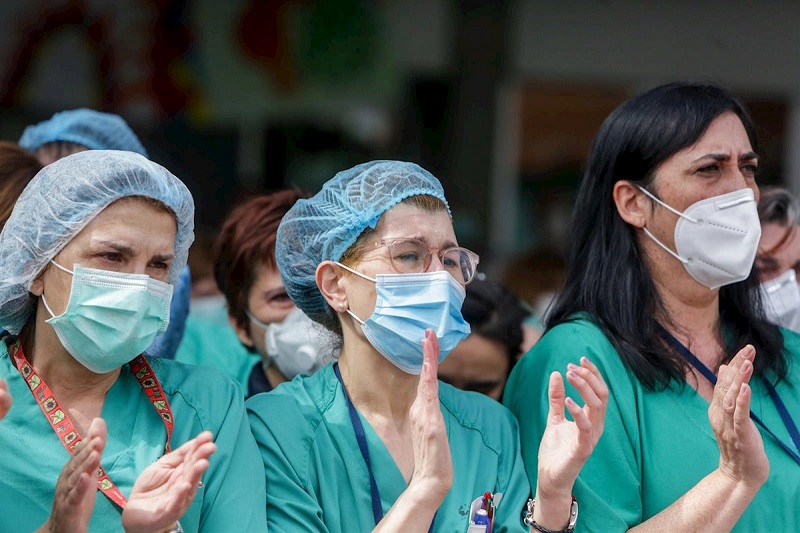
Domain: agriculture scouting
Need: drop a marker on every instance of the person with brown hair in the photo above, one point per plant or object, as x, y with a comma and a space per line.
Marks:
262, 315
17, 169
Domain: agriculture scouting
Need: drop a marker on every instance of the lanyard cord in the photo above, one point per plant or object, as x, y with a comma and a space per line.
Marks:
779, 405
361, 438
65, 429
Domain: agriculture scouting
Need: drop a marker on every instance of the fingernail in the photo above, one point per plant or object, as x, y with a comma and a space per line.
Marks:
569, 401
745, 366
571, 366
572, 374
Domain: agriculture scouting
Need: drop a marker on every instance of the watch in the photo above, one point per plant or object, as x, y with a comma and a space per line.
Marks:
527, 518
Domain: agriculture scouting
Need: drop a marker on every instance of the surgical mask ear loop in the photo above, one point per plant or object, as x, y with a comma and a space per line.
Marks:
44, 300
653, 237
359, 274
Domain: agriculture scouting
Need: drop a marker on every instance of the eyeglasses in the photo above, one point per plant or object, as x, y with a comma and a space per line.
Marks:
412, 256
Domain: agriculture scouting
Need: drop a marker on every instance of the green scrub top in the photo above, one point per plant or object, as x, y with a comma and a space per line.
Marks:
31, 455
216, 345
656, 445
317, 479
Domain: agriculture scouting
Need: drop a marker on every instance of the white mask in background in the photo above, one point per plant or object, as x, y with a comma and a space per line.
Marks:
211, 309
297, 345
782, 300
716, 239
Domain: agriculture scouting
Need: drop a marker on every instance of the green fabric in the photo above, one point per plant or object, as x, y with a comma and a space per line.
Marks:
231, 499
317, 479
656, 445
216, 346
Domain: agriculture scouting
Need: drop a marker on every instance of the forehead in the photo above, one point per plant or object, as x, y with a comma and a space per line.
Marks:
405, 220
134, 221
725, 135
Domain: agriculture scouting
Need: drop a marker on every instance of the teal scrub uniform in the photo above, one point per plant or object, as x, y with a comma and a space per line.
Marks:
215, 345
31, 455
318, 481
656, 445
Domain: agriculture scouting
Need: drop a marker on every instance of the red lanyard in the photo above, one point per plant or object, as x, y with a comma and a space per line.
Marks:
65, 429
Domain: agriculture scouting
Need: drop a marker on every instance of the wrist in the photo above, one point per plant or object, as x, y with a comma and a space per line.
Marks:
553, 510
538, 521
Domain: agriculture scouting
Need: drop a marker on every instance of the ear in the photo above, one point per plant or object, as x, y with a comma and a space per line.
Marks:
243, 333
328, 276
37, 286
632, 204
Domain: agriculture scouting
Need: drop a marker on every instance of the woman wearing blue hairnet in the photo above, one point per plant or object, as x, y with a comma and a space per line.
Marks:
88, 261
375, 441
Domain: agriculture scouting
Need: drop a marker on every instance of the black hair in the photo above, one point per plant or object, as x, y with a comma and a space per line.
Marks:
495, 313
606, 274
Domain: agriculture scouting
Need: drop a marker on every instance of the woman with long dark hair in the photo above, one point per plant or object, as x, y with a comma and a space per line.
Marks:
661, 293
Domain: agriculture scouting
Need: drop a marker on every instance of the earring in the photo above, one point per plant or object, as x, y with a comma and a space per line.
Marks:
341, 306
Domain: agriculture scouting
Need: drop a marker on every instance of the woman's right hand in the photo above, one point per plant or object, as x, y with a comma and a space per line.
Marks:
742, 456
5, 399
433, 466
76, 488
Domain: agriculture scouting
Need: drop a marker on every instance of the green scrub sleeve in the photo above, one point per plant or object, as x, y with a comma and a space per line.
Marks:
291, 507
238, 494
608, 489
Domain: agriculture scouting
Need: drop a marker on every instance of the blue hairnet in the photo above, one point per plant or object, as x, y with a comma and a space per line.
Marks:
61, 200
324, 226
166, 344
87, 127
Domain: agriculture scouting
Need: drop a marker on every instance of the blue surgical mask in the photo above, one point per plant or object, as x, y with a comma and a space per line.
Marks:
408, 304
111, 317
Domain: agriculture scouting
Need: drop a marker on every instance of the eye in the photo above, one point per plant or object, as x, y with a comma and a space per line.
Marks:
749, 170
160, 265
709, 169
408, 257
280, 299
113, 257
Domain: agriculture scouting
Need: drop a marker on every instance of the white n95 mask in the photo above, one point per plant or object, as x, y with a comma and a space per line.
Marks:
111, 317
716, 239
296, 345
782, 300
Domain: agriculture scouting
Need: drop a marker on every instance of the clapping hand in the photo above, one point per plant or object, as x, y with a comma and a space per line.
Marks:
742, 456
165, 490
5, 399
76, 488
565, 445
433, 465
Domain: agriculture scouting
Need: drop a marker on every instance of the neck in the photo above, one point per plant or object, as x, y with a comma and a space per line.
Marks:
375, 386
690, 313
70, 381
274, 376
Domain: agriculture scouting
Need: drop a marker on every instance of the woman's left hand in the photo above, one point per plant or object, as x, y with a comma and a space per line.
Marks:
5, 399
165, 490
566, 445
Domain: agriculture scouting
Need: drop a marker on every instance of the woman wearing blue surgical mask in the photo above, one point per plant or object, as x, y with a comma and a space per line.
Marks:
374, 441
89, 258
263, 316
701, 430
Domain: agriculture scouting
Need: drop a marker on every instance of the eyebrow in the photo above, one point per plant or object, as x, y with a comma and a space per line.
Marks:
422, 238
726, 157
127, 250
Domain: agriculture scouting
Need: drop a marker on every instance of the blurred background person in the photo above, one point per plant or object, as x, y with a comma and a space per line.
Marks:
265, 320
89, 257
77, 130
483, 361
778, 258
17, 168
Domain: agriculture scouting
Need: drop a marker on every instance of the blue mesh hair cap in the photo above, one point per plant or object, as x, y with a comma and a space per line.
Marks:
87, 127
324, 226
61, 200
